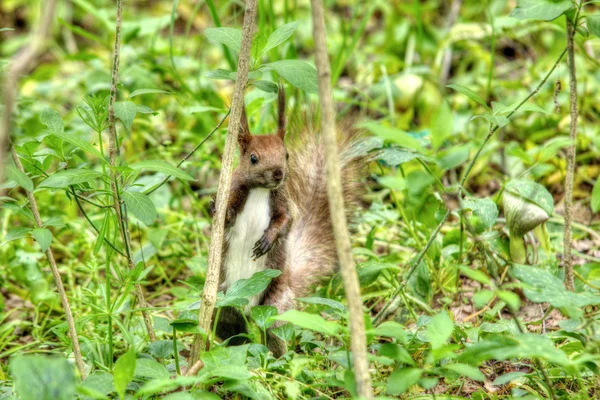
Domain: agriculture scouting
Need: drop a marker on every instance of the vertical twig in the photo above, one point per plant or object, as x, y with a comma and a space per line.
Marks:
568, 235
56, 274
114, 182
447, 57
20, 64
336, 205
209, 293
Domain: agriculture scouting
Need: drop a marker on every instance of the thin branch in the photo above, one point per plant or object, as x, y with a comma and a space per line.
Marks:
56, 274
209, 293
188, 155
392, 305
120, 209
20, 65
336, 206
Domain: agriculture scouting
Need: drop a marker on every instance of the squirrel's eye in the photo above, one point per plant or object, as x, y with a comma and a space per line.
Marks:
253, 158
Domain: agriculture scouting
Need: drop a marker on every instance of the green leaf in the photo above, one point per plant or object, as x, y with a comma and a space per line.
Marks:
141, 206
329, 303
390, 329
263, 316
532, 192
474, 274
466, 370
484, 213
43, 236
16, 233
230, 37
441, 125
101, 383
65, 178
126, 111
439, 329
279, 36
470, 94
43, 378
394, 156
399, 137
310, 321
593, 24
79, 143
298, 73
102, 232
161, 166
396, 353
482, 297
545, 10
151, 369
258, 44
596, 196
221, 74
393, 182
52, 119
266, 86
510, 298
140, 92
124, 372
401, 380
253, 285
19, 177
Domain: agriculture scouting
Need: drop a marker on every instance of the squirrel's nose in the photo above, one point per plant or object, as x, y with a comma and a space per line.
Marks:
278, 174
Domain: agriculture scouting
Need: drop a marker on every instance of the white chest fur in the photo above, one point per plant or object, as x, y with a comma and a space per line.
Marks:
249, 227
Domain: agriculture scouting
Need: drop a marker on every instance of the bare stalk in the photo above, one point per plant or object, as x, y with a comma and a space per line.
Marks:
20, 64
215, 251
568, 235
392, 304
56, 274
336, 206
120, 209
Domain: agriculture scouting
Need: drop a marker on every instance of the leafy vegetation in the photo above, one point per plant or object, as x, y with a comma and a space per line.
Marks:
460, 251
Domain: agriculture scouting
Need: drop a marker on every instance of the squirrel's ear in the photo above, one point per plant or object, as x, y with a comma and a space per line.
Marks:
281, 112
244, 136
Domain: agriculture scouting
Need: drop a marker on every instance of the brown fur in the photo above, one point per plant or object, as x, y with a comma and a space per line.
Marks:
299, 240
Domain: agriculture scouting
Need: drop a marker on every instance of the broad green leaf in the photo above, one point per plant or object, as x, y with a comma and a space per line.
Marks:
439, 329
474, 274
149, 368
330, 303
100, 382
161, 166
401, 380
470, 94
253, 285
258, 44
284, 332
396, 353
52, 119
126, 111
79, 143
441, 125
511, 299
393, 182
221, 74
16, 233
43, 236
163, 348
394, 156
140, 92
509, 377
263, 316
596, 196
266, 86
280, 35
545, 10
390, 329
454, 156
124, 372
593, 24
298, 73
532, 192
466, 370
484, 213
40, 377
65, 178
20, 178
399, 137
370, 271
141, 206
230, 37
482, 297
310, 321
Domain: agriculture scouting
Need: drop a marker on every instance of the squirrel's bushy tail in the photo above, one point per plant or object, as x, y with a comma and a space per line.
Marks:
311, 251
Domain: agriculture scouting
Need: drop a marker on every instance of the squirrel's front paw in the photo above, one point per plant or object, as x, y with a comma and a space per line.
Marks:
262, 247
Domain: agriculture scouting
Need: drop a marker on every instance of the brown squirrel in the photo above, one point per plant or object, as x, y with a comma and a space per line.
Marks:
278, 217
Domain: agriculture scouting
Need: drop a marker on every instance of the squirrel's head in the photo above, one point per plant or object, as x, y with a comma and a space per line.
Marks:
263, 158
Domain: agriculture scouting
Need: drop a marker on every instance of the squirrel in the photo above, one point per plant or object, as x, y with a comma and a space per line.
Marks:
278, 217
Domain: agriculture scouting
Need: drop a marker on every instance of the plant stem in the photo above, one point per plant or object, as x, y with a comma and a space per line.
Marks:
176, 352
391, 305
568, 234
209, 293
113, 151
56, 274
336, 206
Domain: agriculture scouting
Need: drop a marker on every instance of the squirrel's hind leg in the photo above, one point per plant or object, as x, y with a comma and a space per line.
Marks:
281, 296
